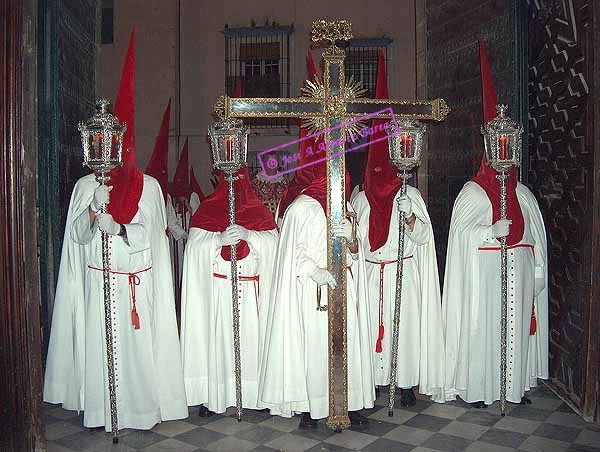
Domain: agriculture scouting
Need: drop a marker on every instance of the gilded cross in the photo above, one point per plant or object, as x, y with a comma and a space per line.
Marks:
327, 106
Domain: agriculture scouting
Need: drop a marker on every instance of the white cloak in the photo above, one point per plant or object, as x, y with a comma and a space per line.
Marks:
207, 326
421, 339
472, 306
147, 361
295, 367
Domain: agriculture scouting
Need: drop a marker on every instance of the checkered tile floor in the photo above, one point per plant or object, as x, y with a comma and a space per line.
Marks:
548, 425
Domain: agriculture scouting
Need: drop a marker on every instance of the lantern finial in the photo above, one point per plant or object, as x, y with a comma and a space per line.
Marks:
502, 139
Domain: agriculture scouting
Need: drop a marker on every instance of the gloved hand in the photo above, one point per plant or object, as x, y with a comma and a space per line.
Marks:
107, 224
343, 229
405, 205
241, 231
229, 237
539, 285
500, 228
322, 276
101, 196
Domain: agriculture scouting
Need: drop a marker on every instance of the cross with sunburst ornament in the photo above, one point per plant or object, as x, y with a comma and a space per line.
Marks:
333, 105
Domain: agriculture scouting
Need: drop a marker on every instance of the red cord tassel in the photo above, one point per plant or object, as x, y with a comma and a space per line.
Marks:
378, 345
135, 319
533, 325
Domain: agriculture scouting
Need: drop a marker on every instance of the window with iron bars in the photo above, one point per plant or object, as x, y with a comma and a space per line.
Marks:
257, 64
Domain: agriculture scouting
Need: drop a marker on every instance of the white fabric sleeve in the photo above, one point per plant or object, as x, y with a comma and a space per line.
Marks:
82, 232
305, 266
137, 237
420, 233
486, 234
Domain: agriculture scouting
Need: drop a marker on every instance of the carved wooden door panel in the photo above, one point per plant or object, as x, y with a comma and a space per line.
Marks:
562, 164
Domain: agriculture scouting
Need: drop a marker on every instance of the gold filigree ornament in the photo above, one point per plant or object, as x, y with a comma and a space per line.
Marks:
219, 108
335, 106
332, 31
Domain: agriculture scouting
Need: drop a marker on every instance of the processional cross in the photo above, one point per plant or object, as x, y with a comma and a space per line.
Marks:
330, 104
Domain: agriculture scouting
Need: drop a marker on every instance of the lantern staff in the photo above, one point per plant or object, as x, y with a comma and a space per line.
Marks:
102, 144
502, 138
405, 142
229, 142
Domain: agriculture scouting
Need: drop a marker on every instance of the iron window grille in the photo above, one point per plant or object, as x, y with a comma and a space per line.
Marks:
257, 61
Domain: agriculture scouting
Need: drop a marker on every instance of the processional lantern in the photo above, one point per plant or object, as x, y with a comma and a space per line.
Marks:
502, 139
405, 143
102, 146
405, 139
229, 142
102, 140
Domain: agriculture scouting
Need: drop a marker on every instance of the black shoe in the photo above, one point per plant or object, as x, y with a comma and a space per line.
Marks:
307, 422
525, 400
377, 392
479, 404
204, 412
357, 419
407, 398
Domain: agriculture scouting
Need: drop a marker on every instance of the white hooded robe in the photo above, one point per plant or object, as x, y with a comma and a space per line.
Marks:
295, 365
148, 368
207, 319
472, 301
421, 339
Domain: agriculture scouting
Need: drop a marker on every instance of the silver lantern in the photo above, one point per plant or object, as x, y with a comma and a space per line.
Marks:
502, 139
405, 139
229, 142
102, 140
102, 145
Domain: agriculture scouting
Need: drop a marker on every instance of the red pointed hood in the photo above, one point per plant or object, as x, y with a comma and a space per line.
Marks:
250, 212
486, 176
127, 180
158, 166
181, 181
196, 186
381, 177
304, 175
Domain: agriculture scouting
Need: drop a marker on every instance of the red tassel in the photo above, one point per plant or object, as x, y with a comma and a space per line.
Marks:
378, 345
533, 325
135, 319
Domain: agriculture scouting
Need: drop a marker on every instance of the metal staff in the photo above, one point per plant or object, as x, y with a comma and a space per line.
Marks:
398, 299
504, 301
110, 343
235, 303
405, 141
229, 142
102, 140
502, 139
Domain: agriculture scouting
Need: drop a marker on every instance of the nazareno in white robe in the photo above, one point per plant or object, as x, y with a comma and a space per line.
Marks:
207, 319
147, 361
472, 302
295, 367
421, 339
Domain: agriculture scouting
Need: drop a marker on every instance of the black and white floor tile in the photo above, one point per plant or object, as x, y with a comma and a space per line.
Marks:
547, 425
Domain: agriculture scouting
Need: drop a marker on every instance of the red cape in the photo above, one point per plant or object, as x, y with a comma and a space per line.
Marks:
250, 212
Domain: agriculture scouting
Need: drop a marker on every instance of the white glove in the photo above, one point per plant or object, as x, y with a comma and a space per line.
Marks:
344, 229
405, 206
500, 228
101, 196
322, 276
229, 237
241, 231
107, 224
539, 285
